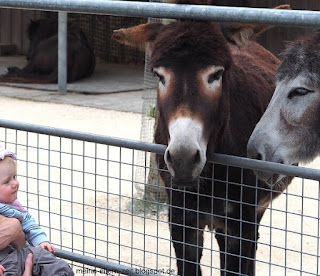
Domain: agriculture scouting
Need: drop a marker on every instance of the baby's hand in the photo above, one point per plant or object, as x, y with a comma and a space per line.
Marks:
47, 246
2, 270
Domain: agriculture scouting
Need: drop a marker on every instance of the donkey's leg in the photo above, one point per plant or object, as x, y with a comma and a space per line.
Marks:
238, 247
254, 245
186, 228
13, 70
31, 67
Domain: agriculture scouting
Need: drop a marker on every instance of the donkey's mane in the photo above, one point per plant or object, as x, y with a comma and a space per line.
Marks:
181, 40
301, 56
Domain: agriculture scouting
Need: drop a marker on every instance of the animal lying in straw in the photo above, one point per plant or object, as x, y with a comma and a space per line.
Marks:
42, 57
289, 132
211, 94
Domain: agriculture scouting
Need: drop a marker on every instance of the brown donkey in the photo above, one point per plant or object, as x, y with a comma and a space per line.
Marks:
211, 94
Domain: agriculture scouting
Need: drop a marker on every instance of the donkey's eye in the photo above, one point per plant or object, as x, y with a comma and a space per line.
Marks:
160, 77
215, 76
298, 92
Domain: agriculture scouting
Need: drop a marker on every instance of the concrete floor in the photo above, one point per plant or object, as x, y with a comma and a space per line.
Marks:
111, 87
120, 101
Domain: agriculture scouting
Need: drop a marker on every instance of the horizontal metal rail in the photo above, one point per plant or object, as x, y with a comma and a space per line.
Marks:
297, 18
143, 146
103, 265
84, 136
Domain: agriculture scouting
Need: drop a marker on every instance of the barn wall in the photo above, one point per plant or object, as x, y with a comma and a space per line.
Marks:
13, 26
98, 29
276, 38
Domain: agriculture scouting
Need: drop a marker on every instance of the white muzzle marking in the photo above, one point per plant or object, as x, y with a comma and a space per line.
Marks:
186, 152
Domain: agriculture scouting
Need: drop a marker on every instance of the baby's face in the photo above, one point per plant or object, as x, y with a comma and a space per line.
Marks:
9, 184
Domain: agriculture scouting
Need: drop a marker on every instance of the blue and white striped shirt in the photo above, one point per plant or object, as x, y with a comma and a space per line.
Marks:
34, 234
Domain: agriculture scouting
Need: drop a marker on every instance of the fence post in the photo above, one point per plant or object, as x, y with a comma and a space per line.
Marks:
62, 52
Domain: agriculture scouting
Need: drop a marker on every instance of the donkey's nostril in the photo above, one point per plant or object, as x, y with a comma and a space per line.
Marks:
259, 156
253, 153
197, 158
168, 157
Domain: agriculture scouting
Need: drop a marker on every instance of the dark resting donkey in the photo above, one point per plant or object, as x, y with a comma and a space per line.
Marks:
211, 94
42, 58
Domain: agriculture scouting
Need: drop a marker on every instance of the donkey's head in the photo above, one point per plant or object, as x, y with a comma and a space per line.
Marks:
192, 61
288, 132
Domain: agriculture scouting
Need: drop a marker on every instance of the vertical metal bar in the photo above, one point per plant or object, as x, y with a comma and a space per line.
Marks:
120, 196
198, 225
270, 239
212, 215
62, 52
132, 206
27, 162
184, 232
286, 233
60, 188
226, 224
318, 231
301, 227
83, 199
158, 210
108, 199
72, 190
49, 181
241, 219
16, 141
144, 208
170, 219
95, 198
38, 177
256, 226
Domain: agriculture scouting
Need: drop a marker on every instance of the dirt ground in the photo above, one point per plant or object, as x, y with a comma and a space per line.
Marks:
289, 210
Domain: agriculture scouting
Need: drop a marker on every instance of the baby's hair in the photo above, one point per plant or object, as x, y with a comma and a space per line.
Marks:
8, 157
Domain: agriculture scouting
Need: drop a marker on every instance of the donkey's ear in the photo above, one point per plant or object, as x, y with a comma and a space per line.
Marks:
240, 34
138, 36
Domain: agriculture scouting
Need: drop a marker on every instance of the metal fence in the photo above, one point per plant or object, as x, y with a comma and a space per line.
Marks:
80, 187
292, 18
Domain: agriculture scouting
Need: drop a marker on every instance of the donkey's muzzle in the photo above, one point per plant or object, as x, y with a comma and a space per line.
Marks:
184, 163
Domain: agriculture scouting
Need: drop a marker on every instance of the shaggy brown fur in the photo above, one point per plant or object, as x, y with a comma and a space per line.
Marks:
42, 66
184, 49
248, 84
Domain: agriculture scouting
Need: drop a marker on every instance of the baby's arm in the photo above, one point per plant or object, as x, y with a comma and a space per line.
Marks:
34, 234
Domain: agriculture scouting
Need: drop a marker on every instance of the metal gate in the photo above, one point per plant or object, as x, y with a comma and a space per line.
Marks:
80, 187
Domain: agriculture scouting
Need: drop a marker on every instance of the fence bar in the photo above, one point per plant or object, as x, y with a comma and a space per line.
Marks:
84, 136
144, 146
104, 265
294, 18
259, 165
62, 52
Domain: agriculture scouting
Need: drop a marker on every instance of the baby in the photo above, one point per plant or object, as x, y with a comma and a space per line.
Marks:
12, 261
